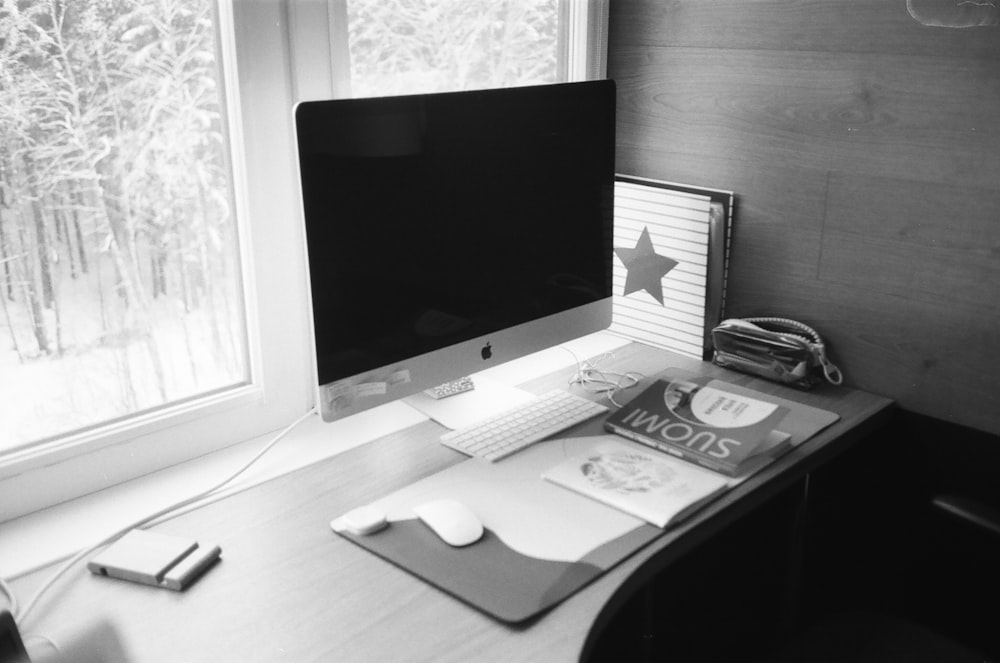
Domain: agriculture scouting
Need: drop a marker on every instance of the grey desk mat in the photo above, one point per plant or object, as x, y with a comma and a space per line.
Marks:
542, 542
491, 576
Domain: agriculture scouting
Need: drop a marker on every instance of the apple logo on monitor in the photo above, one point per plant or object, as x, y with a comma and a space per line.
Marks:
487, 351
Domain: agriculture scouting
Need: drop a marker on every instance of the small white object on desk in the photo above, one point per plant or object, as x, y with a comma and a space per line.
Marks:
451, 520
362, 521
452, 388
156, 559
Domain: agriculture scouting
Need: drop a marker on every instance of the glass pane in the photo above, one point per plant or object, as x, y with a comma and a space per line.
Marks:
409, 46
119, 267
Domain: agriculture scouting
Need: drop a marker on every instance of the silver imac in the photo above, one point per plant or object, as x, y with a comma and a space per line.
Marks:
448, 232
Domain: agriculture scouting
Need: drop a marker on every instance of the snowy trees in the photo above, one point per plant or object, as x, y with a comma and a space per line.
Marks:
115, 214
404, 46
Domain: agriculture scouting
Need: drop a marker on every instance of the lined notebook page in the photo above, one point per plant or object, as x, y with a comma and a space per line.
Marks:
678, 223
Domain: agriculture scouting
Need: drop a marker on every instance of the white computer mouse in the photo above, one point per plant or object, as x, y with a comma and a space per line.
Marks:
451, 520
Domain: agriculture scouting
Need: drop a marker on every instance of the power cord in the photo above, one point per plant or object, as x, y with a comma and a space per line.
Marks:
598, 381
22, 615
8, 591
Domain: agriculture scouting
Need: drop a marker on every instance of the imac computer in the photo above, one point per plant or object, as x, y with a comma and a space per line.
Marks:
447, 232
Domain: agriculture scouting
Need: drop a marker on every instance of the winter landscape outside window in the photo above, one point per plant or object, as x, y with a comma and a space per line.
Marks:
413, 46
119, 265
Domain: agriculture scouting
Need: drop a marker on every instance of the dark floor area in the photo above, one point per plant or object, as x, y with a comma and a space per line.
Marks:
722, 602
871, 543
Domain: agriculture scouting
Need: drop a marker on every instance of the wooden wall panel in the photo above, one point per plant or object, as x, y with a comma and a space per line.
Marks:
852, 26
864, 149
923, 242
924, 118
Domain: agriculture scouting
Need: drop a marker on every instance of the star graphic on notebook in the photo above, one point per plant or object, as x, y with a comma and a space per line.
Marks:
645, 267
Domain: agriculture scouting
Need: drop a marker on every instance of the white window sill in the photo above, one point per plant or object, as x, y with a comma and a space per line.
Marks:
37, 540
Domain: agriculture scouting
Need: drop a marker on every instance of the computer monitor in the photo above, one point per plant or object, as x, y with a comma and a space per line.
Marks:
448, 232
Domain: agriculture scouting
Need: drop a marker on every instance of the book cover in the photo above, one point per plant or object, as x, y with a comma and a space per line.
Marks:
671, 257
644, 483
727, 432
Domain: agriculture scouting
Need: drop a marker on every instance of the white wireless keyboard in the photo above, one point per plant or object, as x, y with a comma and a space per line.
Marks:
503, 434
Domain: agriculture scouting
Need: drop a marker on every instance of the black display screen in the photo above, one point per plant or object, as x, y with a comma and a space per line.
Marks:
433, 219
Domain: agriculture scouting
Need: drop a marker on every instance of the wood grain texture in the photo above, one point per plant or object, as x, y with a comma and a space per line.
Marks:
923, 118
921, 242
287, 588
864, 150
792, 25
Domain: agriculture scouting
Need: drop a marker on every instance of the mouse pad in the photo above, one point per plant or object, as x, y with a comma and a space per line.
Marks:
542, 542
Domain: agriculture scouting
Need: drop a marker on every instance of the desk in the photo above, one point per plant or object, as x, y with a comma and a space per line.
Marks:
289, 589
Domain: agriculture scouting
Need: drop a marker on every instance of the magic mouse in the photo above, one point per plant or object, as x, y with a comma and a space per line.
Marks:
451, 520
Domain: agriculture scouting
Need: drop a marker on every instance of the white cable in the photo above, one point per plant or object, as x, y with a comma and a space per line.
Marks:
8, 591
830, 371
597, 381
23, 615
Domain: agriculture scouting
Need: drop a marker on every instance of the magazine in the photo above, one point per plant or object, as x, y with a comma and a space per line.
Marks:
725, 431
645, 483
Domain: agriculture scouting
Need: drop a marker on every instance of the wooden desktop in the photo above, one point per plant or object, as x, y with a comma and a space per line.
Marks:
287, 588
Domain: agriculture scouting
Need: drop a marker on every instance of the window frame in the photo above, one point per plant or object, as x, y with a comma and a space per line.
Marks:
274, 54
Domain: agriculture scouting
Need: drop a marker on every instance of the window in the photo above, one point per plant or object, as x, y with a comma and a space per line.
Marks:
439, 45
151, 260
384, 47
161, 124
120, 281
